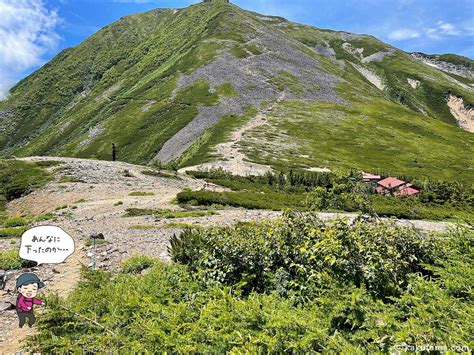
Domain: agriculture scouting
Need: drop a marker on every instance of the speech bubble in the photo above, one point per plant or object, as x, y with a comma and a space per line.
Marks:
46, 245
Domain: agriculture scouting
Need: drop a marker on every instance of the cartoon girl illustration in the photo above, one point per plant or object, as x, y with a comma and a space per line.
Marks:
27, 286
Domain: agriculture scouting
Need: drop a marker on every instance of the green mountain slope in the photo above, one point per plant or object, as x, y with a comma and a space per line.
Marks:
173, 84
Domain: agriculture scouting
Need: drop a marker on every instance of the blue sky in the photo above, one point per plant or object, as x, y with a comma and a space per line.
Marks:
33, 31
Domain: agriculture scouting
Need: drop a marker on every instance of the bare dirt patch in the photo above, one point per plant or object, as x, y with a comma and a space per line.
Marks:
464, 115
413, 83
373, 78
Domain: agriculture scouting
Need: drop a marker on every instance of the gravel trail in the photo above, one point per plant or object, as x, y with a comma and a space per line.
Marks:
230, 158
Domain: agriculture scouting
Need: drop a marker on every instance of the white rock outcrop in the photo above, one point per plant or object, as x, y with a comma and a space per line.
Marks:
464, 115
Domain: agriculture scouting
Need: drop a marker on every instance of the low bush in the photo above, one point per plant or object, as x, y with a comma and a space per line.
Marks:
250, 200
48, 163
169, 309
161, 173
16, 221
136, 264
18, 178
165, 213
142, 227
300, 253
13, 232
10, 260
182, 225
141, 193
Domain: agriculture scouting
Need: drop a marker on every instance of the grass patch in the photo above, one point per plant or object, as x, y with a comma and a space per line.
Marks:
412, 208
226, 90
165, 213
66, 179
13, 227
15, 222
44, 217
13, 232
284, 80
143, 227
141, 193
239, 51
19, 178
10, 260
137, 264
250, 200
173, 225
412, 144
48, 163
161, 173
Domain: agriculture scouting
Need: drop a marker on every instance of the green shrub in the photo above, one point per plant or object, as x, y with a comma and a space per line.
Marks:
48, 163
165, 213
169, 309
142, 227
250, 200
18, 178
65, 179
141, 193
301, 254
182, 225
447, 192
14, 232
16, 221
10, 260
136, 264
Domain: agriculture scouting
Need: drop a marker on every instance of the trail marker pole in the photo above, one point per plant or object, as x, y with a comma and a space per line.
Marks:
93, 257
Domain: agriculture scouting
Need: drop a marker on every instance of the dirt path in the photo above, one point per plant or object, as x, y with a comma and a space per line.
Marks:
230, 156
66, 276
90, 197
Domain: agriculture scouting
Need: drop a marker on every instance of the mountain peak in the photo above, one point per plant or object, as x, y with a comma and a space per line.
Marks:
218, 1
219, 85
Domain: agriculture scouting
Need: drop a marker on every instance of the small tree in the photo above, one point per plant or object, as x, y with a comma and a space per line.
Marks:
282, 179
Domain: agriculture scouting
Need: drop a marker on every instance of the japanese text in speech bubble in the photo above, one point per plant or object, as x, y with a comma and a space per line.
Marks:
46, 245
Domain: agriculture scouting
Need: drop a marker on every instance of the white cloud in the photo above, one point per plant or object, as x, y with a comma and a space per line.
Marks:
448, 28
438, 31
27, 32
134, 1
443, 29
403, 34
